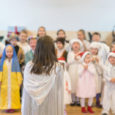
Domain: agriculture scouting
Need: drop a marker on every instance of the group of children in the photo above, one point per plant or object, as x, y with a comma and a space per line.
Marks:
89, 69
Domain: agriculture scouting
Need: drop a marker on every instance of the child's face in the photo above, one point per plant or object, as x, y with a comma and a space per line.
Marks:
76, 46
94, 51
61, 34
87, 59
13, 42
113, 48
59, 45
96, 38
9, 52
41, 32
23, 37
33, 43
112, 60
80, 36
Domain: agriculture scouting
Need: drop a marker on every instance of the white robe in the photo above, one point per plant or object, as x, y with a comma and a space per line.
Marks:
87, 44
109, 90
73, 65
99, 71
67, 88
103, 52
2, 46
43, 94
25, 47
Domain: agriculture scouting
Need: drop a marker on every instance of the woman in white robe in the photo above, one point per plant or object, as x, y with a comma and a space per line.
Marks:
43, 85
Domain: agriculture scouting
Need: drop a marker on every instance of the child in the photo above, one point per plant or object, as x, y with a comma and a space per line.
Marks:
109, 89
23, 41
10, 80
60, 50
29, 55
113, 47
41, 32
19, 51
104, 49
81, 36
86, 87
67, 84
94, 49
72, 62
62, 34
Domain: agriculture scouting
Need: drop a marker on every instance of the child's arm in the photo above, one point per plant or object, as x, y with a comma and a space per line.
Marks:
91, 69
106, 75
80, 69
71, 58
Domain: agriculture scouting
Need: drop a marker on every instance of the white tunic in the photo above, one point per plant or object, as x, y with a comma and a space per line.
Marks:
1, 47
103, 52
109, 90
99, 71
67, 88
73, 64
43, 95
25, 47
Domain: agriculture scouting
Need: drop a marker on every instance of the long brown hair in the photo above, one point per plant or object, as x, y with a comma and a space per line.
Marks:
44, 56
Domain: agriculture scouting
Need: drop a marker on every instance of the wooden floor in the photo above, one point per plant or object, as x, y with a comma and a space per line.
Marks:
70, 111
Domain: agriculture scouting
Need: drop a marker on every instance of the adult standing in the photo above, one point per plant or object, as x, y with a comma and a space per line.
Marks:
43, 82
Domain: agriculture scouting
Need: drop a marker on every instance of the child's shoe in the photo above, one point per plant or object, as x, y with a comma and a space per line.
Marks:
83, 110
90, 109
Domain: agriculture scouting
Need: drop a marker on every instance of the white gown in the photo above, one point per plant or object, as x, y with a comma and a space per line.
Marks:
73, 65
43, 95
109, 90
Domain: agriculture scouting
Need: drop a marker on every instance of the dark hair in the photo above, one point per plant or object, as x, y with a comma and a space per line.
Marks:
97, 33
62, 40
44, 57
60, 31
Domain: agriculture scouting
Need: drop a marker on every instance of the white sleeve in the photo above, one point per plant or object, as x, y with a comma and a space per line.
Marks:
106, 74
91, 69
80, 69
71, 58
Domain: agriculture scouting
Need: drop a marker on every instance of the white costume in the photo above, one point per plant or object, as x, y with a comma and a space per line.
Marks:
98, 66
72, 68
87, 44
67, 83
25, 47
73, 64
103, 52
43, 94
109, 89
2, 46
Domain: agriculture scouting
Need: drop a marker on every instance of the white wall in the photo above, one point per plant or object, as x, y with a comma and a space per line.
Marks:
54, 14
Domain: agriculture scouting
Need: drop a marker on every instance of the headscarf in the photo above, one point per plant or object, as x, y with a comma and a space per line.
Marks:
15, 63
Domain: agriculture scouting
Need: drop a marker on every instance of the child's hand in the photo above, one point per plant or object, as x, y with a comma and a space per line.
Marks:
85, 66
113, 80
0, 83
97, 60
76, 57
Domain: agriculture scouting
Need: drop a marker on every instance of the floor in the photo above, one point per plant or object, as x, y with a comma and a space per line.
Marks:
70, 111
